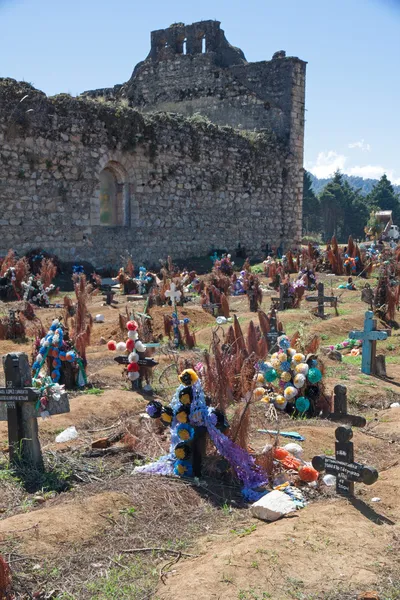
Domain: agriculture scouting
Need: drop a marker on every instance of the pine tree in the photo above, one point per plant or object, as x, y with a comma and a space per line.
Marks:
384, 196
311, 207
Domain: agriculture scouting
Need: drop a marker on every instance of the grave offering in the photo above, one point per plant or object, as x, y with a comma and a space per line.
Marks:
369, 337
135, 359
291, 381
191, 419
12, 326
57, 360
343, 466
321, 299
21, 405
36, 292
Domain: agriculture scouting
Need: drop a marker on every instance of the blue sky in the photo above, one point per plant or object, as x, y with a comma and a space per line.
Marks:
352, 48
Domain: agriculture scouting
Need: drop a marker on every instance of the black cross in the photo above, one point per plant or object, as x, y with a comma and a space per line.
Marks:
340, 409
321, 299
145, 361
272, 335
343, 466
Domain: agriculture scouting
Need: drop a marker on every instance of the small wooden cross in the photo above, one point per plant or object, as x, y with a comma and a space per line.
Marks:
369, 337
173, 294
343, 466
284, 301
109, 295
18, 407
340, 409
321, 299
144, 361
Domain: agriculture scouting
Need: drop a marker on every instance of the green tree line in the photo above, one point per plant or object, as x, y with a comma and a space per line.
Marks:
341, 210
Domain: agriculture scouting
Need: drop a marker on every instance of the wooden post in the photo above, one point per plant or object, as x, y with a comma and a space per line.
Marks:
281, 296
198, 449
321, 298
22, 426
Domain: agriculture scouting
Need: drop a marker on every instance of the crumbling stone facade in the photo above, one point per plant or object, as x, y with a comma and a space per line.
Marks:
198, 150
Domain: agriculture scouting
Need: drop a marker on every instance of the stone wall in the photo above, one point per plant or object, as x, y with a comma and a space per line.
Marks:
186, 185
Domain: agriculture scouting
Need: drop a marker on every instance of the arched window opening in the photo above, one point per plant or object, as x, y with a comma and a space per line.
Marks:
184, 49
203, 45
112, 198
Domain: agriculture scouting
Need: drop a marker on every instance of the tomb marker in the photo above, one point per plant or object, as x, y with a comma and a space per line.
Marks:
369, 336
343, 466
321, 299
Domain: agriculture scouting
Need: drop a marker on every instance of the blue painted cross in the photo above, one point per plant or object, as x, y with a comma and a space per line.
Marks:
369, 338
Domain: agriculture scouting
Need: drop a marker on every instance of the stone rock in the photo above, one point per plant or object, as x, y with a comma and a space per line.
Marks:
102, 341
272, 506
335, 355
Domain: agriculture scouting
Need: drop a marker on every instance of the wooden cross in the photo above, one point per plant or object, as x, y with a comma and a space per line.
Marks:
174, 295
343, 466
109, 295
369, 337
321, 299
18, 407
145, 361
284, 301
340, 409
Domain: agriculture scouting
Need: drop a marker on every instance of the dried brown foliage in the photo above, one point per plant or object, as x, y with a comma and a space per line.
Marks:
9, 261
247, 266
5, 580
189, 337
81, 321
335, 258
225, 306
47, 272
129, 267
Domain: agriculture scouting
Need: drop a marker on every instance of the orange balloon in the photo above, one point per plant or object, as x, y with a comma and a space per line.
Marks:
308, 474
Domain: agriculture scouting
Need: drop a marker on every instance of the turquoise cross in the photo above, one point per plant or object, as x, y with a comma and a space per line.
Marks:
369, 338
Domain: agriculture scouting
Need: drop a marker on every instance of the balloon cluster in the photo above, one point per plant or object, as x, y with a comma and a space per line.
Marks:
351, 262
53, 346
291, 378
132, 345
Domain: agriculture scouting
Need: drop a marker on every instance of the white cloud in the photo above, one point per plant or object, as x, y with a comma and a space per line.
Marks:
329, 162
362, 145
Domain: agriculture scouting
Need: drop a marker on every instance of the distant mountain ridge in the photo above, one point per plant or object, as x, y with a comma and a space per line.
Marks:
364, 185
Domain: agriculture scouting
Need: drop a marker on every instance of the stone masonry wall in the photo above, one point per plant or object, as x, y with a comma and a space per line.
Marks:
187, 185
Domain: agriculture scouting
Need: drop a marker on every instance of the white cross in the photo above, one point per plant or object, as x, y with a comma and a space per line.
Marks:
173, 294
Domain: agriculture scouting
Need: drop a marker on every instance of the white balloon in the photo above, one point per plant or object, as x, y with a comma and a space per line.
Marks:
140, 347
133, 335
133, 357
133, 376
121, 346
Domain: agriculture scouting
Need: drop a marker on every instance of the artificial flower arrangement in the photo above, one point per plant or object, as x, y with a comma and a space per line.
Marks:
187, 412
57, 350
35, 292
289, 380
348, 346
133, 347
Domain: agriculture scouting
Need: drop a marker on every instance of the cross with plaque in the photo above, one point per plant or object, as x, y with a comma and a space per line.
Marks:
320, 298
343, 466
144, 361
369, 337
273, 334
18, 402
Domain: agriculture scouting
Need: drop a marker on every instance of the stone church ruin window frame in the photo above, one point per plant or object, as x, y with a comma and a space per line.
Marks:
120, 203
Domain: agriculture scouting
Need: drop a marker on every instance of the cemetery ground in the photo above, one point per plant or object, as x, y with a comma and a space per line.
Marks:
89, 528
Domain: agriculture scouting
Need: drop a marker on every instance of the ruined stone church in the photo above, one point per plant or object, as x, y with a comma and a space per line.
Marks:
198, 150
